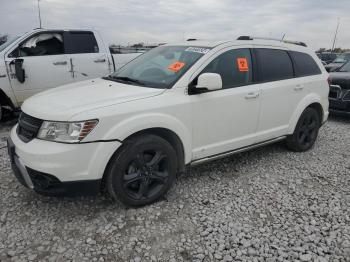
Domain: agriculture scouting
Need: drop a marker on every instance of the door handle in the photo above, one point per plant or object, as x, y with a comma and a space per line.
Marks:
252, 95
298, 87
60, 63
100, 60
2, 76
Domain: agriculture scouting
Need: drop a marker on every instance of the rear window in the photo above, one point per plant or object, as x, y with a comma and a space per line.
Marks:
273, 65
81, 43
305, 65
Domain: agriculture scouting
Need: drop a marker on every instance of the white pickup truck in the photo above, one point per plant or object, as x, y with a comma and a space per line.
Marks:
43, 59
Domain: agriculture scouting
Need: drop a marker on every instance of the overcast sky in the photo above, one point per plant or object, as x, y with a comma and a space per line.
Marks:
154, 21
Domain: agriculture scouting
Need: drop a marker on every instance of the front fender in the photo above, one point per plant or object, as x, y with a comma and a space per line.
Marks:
132, 125
303, 104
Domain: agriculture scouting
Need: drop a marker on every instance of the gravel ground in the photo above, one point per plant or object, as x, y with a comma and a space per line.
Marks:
264, 205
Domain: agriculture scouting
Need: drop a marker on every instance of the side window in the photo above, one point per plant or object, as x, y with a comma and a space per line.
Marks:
81, 43
274, 65
234, 67
41, 45
305, 65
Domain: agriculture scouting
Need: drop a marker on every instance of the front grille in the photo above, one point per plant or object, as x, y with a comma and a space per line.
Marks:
28, 127
343, 83
344, 86
334, 91
333, 94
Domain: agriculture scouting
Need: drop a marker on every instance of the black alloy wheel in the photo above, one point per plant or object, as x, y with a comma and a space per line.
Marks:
306, 131
146, 174
142, 171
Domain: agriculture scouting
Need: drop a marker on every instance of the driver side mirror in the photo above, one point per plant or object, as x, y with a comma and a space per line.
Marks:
208, 82
20, 73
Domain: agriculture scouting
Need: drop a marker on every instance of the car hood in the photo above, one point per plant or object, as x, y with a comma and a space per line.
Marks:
62, 103
340, 78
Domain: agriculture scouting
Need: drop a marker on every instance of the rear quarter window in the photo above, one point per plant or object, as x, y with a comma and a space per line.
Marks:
305, 65
273, 65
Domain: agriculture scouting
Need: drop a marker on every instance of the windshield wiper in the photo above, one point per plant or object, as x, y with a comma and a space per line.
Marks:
124, 79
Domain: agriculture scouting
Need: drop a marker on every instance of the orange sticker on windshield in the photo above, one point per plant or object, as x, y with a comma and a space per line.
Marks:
242, 64
176, 66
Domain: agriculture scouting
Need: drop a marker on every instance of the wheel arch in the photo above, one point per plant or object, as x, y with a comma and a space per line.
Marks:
167, 134
171, 137
318, 107
165, 126
313, 101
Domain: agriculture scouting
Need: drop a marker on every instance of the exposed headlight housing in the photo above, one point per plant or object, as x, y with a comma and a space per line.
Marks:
66, 132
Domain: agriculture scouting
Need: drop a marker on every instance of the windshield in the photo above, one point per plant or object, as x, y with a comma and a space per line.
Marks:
345, 68
9, 42
160, 67
342, 58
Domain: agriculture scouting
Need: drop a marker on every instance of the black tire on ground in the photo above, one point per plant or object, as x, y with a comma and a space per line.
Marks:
306, 131
142, 171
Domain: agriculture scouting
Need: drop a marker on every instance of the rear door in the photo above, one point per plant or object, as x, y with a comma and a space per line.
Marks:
281, 92
44, 62
85, 56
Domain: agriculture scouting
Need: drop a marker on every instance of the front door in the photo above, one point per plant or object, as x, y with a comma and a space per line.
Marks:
44, 62
227, 119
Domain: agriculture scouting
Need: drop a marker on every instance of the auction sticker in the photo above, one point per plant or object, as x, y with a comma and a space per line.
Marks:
176, 66
200, 50
242, 64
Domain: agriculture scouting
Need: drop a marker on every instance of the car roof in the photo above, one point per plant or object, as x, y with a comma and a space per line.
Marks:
198, 43
62, 29
258, 42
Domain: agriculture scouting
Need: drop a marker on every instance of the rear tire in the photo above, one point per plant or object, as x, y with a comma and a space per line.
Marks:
142, 171
306, 131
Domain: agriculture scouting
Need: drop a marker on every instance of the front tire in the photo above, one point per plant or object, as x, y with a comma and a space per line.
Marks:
306, 131
142, 171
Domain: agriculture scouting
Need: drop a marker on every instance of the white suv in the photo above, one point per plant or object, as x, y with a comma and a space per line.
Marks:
176, 105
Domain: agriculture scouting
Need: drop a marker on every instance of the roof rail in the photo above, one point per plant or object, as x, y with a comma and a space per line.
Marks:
272, 39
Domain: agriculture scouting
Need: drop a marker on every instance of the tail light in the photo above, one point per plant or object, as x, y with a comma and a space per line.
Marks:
329, 81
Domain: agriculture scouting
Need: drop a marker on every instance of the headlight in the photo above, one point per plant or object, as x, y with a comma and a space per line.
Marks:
67, 132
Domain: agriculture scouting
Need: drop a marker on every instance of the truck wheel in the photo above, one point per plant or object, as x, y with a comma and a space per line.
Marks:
142, 171
306, 131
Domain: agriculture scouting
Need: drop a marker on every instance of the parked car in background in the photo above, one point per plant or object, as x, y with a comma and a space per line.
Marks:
327, 57
43, 59
338, 62
176, 105
339, 95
